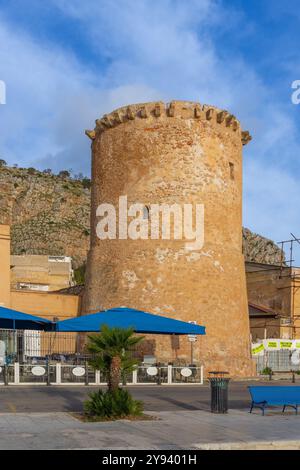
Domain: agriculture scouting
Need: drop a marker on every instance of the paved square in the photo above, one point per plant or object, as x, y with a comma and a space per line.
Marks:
40, 418
173, 430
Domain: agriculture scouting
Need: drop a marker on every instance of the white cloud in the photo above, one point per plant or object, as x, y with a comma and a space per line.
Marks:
37, 79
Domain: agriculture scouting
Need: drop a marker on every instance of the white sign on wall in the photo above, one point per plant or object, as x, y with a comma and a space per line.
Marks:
192, 338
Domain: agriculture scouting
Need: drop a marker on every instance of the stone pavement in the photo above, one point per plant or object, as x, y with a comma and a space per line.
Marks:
43, 399
173, 430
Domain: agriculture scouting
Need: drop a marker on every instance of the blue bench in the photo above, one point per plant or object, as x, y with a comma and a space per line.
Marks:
273, 395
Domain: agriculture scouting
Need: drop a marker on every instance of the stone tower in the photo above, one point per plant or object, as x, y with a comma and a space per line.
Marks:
180, 153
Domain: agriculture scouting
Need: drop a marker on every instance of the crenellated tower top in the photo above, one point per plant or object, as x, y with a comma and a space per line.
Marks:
174, 109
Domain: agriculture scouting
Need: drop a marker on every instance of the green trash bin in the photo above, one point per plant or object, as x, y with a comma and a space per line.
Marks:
219, 391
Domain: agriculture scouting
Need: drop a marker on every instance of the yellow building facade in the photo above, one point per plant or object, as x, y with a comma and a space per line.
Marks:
4, 266
275, 291
38, 272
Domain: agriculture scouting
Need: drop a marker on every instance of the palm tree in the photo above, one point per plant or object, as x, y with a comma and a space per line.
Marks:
111, 350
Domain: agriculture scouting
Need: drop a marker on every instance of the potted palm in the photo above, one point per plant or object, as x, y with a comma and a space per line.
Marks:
111, 353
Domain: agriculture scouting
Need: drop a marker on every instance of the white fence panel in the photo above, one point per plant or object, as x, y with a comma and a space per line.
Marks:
80, 374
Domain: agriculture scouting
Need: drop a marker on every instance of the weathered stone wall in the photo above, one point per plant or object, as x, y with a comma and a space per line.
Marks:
181, 153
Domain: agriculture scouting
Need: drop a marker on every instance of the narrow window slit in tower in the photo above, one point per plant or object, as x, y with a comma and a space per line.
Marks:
231, 169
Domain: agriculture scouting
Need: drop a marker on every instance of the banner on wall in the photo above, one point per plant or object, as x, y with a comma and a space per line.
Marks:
257, 349
272, 344
275, 345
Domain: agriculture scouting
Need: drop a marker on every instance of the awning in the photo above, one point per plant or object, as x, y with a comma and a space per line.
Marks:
123, 317
12, 319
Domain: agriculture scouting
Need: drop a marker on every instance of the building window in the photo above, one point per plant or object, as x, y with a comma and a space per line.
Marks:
231, 170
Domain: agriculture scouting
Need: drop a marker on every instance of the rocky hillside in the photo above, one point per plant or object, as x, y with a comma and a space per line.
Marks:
260, 249
49, 214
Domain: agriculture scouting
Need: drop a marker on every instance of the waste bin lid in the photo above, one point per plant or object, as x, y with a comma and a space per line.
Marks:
218, 373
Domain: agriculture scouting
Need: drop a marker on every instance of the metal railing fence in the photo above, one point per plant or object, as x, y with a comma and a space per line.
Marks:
37, 346
277, 361
83, 374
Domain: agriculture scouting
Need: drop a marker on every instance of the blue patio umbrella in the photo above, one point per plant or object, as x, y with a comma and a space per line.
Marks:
122, 317
12, 319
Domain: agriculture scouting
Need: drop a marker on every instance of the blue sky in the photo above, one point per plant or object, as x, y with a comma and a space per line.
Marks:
66, 62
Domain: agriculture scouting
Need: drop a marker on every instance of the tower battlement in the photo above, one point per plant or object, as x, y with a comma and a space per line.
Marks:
175, 109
